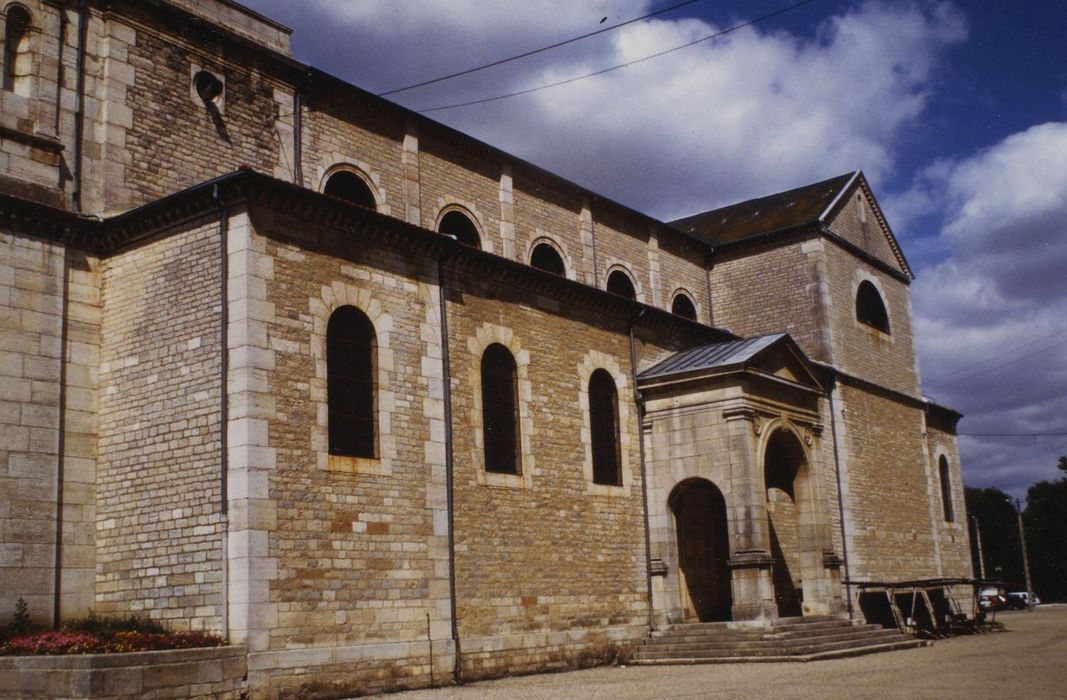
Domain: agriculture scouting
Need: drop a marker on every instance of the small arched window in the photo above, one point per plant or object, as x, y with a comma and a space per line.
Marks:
946, 490
17, 65
544, 257
619, 283
458, 224
350, 187
500, 410
604, 428
870, 309
351, 383
683, 306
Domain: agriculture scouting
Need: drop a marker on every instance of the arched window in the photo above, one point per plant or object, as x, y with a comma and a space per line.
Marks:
946, 490
350, 187
870, 309
17, 67
351, 383
683, 306
544, 257
604, 428
458, 224
500, 410
619, 283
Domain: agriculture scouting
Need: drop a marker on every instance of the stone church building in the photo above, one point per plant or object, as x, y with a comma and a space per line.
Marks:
378, 402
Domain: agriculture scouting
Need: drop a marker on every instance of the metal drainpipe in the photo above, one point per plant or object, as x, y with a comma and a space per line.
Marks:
639, 402
840, 496
298, 138
446, 368
79, 110
61, 427
224, 412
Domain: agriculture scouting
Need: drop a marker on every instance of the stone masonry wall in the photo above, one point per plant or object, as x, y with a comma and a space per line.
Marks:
158, 525
546, 551
682, 268
857, 224
31, 307
955, 543
448, 176
884, 467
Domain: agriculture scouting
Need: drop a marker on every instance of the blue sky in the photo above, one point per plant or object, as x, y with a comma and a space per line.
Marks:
956, 111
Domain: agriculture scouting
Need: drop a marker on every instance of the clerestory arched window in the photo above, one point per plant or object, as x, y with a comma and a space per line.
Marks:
544, 257
619, 283
870, 309
946, 490
456, 223
350, 187
351, 384
17, 59
683, 306
604, 428
500, 411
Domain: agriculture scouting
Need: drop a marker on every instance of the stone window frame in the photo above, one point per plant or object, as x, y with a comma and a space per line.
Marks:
220, 101
333, 297
360, 169
471, 213
944, 488
350, 321
682, 291
592, 361
24, 85
488, 334
858, 280
618, 267
557, 245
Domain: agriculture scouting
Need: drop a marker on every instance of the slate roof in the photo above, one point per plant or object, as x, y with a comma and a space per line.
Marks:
776, 212
733, 352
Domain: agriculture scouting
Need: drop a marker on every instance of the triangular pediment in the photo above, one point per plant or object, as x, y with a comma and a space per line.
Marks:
784, 360
856, 217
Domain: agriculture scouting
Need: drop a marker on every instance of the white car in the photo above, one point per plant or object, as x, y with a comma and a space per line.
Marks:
1018, 600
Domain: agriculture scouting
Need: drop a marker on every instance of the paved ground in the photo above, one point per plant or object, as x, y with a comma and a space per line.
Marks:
1029, 661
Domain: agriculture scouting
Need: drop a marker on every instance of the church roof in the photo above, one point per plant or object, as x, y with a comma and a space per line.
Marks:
776, 212
715, 355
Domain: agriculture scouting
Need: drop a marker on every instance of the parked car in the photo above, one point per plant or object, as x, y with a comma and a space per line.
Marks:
991, 599
1017, 600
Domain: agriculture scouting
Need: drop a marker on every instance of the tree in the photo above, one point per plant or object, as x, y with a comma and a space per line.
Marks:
996, 517
1046, 528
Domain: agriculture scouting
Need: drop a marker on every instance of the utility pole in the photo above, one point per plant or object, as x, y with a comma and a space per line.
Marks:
978, 539
1026, 559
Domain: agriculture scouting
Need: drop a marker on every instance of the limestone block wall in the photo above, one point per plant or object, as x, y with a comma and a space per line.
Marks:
682, 267
858, 224
31, 308
166, 139
771, 290
887, 489
858, 349
954, 536
159, 526
449, 176
542, 211
622, 245
345, 130
550, 568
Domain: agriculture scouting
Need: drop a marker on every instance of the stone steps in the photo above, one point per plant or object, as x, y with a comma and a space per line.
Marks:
792, 639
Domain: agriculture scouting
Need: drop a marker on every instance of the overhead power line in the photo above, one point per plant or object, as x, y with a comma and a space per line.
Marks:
971, 375
1028, 435
602, 71
967, 368
534, 52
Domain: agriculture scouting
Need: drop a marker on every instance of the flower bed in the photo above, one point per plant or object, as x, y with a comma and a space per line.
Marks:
63, 642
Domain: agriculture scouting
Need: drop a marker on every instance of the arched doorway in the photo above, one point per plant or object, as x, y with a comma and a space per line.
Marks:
703, 549
784, 468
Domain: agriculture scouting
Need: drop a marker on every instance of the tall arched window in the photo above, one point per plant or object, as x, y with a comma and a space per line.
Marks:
458, 224
946, 490
544, 257
683, 306
17, 67
619, 283
351, 383
604, 428
500, 410
350, 187
870, 309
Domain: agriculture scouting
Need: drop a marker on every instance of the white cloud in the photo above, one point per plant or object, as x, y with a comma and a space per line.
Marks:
992, 323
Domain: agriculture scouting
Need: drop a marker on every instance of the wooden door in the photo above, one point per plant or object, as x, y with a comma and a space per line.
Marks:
703, 552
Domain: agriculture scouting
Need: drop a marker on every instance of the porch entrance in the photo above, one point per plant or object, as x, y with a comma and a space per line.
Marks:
703, 549
783, 471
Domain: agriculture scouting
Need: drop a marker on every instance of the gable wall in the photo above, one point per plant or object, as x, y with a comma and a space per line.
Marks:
858, 224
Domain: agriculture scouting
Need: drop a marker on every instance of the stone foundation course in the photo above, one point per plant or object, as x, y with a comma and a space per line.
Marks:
218, 672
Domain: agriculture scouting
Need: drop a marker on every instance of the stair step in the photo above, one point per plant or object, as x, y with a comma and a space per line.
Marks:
790, 658
865, 636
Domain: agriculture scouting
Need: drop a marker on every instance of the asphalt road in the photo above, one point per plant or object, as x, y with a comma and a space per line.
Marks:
1028, 661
